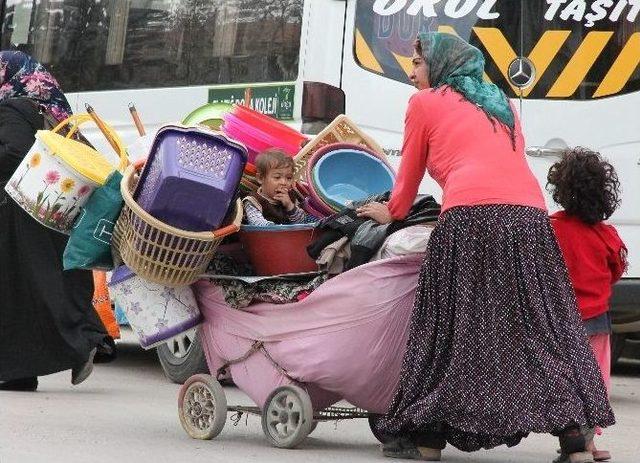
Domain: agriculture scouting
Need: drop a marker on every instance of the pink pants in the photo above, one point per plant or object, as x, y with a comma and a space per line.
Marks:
601, 347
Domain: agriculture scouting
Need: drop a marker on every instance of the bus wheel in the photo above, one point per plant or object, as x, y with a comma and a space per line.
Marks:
182, 357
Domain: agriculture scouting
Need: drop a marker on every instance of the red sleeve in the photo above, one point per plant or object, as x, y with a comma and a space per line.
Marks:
617, 254
414, 159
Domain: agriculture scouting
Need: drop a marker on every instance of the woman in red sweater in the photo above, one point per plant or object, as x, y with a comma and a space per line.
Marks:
588, 190
496, 349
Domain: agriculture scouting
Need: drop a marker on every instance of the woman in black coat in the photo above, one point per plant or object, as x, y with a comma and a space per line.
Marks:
47, 322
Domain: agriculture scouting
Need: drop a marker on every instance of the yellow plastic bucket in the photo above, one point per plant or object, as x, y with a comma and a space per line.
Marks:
58, 175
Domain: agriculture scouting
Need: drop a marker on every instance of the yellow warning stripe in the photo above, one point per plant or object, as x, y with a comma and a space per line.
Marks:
405, 62
582, 60
622, 69
498, 48
502, 54
365, 55
543, 53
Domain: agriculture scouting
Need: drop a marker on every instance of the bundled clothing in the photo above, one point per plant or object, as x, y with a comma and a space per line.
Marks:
240, 294
261, 210
47, 322
366, 236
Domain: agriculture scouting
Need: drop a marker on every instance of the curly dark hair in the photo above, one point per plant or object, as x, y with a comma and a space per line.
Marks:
585, 185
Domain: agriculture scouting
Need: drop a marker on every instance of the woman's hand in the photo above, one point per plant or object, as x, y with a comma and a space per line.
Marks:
282, 196
376, 211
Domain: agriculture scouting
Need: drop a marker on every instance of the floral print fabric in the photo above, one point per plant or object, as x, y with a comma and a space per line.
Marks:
496, 346
23, 76
239, 294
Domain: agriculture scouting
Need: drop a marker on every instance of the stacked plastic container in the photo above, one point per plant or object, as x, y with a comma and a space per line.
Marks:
191, 177
171, 225
259, 132
341, 173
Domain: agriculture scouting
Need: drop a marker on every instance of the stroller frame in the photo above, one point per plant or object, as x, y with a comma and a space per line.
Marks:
287, 416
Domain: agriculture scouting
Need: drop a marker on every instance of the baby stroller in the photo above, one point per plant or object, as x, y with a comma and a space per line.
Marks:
345, 341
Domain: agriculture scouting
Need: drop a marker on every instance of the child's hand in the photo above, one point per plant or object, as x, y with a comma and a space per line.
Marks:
282, 196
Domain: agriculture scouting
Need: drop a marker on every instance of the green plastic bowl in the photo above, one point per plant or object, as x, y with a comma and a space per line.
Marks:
209, 115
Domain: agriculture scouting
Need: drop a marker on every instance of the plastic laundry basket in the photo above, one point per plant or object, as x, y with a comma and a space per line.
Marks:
191, 177
159, 252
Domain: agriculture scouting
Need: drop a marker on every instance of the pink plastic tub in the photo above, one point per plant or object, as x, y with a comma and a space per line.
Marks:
255, 139
269, 125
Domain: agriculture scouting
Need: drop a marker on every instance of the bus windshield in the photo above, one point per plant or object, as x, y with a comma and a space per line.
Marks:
578, 53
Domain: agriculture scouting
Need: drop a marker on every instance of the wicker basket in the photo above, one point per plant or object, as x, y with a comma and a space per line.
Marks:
158, 252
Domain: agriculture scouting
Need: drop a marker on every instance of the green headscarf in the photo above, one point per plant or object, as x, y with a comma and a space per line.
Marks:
452, 61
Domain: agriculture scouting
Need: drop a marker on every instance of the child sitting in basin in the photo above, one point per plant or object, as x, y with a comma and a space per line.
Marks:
275, 202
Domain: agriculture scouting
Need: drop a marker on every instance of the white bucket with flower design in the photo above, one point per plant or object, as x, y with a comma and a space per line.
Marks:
156, 313
58, 174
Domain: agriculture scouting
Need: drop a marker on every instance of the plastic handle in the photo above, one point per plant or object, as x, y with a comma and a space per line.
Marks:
235, 226
225, 231
78, 119
74, 121
136, 119
543, 152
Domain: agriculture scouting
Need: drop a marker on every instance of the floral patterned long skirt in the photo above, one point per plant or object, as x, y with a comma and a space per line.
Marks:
496, 346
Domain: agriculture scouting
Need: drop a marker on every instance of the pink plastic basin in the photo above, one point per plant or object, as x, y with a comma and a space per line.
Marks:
254, 138
269, 125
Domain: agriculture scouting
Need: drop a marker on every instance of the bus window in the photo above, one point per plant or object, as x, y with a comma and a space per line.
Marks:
129, 44
575, 51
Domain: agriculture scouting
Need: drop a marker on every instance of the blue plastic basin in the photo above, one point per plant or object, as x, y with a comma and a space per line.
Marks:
345, 175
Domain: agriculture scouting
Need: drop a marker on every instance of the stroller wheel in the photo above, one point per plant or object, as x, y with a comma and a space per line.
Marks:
287, 416
202, 407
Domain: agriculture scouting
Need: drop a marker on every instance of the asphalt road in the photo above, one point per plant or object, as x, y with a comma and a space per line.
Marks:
127, 412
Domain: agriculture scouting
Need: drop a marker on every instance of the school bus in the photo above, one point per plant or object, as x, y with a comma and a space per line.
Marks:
571, 67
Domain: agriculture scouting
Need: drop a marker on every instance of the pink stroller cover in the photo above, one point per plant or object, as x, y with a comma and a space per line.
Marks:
345, 340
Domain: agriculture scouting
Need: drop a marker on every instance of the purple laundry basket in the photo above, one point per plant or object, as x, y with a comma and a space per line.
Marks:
191, 177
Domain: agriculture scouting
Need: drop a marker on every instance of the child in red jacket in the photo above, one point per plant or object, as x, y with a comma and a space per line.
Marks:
588, 189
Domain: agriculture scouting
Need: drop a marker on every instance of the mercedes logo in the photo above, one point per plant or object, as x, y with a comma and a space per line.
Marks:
522, 72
